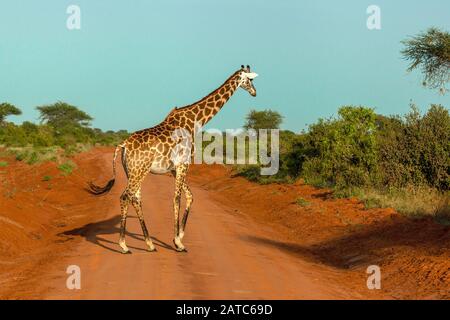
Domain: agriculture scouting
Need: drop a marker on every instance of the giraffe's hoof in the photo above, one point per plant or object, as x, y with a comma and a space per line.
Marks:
179, 249
126, 252
151, 249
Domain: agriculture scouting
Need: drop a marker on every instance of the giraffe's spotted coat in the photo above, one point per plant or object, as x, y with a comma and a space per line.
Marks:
151, 151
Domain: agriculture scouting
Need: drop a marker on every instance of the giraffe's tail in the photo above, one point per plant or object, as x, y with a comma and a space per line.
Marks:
99, 190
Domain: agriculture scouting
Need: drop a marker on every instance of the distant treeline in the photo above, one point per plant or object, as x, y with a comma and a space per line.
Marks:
60, 124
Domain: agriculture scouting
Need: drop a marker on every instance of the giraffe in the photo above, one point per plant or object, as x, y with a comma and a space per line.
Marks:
151, 151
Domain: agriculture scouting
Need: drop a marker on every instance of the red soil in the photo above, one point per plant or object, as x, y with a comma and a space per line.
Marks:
336, 234
34, 211
413, 254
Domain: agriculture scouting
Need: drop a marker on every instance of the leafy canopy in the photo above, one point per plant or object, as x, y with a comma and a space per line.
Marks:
430, 51
266, 119
61, 114
7, 109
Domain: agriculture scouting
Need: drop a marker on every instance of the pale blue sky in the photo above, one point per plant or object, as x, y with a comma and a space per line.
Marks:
133, 61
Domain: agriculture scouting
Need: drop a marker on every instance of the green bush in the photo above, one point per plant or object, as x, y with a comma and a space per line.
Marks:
415, 150
360, 148
63, 125
341, 152
250, 172
33, 158
30, 134
20, 156
66, 168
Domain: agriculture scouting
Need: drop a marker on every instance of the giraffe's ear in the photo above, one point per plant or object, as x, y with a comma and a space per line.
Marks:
251, 75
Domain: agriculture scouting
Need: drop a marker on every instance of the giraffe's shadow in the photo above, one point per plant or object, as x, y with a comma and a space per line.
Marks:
92, 232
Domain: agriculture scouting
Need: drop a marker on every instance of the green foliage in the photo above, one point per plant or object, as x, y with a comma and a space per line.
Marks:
66, 168
33, 158
61, 115
292, 154
32, 155
250, 172
7, 109
341, 152
3, 164
47, 178
360, 148
415, 150
430, 51
266, 119
385, 161
20, 156
64, 126
302, 202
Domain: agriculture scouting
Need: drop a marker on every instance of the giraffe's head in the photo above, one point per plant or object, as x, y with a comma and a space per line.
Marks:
246, 81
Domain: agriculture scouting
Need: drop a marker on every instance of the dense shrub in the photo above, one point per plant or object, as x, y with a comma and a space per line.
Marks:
61, 125
341, 152
360, 148
30, 134
416, 149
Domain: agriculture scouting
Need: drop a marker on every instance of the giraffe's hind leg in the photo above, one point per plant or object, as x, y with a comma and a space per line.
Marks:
137, 204
132, 194
189, 199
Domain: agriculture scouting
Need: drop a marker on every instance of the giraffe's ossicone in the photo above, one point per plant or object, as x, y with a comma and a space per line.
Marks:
152, 151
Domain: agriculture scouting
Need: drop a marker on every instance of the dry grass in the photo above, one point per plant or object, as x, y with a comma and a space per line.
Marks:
414, 202
33, 155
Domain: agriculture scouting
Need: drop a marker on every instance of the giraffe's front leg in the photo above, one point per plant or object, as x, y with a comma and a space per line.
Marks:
176, 207
189, 200
179, 181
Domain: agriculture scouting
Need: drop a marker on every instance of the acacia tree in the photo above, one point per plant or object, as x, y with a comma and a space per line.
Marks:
7, 109
61, 114
266, 119
430, 51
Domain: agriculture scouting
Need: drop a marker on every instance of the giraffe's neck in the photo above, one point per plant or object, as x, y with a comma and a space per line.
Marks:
205, 109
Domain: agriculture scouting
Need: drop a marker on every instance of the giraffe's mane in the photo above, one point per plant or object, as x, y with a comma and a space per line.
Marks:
210, 94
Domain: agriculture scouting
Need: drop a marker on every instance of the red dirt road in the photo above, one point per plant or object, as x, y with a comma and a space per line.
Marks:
221, 262
244, 241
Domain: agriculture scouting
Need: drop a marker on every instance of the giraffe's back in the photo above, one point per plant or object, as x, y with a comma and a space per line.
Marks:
150, 149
